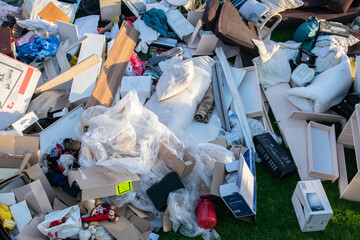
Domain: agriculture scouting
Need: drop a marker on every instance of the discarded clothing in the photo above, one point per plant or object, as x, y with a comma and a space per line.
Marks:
204, 110
307, 30
157, 20
38, 49
41, 27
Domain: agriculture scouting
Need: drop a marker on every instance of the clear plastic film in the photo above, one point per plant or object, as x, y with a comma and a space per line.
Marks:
124, 137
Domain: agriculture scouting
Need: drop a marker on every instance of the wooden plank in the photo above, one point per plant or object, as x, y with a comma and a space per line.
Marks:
84, 83
207, 44
343, 178
249, 90
317, 117
52, 13
194, 16
179, 24
70, 74
109, 9
292, 130
114, 67
322, 155
352, 191
239, 108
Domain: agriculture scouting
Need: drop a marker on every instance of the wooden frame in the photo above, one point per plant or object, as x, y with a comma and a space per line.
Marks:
318, 117
322, 155
350, 137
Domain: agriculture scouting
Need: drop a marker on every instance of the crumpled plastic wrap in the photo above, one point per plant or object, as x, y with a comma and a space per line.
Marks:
236, 136
182, 205
124, 137
206, 155
42, 27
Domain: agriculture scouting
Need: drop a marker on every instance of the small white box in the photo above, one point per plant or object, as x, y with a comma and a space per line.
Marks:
311, 206
142, 84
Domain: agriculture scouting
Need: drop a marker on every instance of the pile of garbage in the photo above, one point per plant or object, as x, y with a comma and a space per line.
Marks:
118, 119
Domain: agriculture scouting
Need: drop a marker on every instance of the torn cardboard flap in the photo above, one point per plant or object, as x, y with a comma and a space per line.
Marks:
35, 197
31, 232
98, 182
20, 145
167, 224
181, 167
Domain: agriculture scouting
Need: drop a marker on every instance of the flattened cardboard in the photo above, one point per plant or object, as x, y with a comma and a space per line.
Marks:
64, 197
31, 232
21, 214
181, 167
221, 142
19, 145
98, 182
36, 173
167, 224
7, 42
35, 197
59, 205
218, 178
52, 13
238, 150
18, 82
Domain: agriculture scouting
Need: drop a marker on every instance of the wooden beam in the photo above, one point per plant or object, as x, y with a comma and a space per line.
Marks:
114, 67
70, 74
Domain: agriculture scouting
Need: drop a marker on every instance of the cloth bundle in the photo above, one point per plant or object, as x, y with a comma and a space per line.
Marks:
205, 108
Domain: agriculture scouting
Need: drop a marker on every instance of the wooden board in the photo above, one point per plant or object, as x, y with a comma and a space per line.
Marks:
322, 153
68, 75
179, 24
52, 13
292, 130
67, 31
114, 67
249, 90
317, 117
109, 9
84, 83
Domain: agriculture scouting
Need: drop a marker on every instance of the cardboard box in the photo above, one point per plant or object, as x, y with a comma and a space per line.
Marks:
35, 197
275, 158
31, 232
240, 196
129, 226
221, 142
21, 214
17, 84
26, 124
98, 182
311, 206
181, 167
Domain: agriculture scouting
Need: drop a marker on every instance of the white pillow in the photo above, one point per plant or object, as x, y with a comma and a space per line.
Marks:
177, 76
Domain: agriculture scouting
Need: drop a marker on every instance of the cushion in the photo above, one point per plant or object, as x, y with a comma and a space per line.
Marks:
340, 6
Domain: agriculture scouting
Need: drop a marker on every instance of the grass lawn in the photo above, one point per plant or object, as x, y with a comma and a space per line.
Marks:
275, 217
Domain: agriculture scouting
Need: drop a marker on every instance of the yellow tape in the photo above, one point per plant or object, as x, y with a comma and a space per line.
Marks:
123, 187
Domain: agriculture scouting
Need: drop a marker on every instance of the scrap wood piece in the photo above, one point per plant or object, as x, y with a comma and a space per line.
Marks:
70, 74
238, 104
317, 117
114, 67
52, 13
292, 130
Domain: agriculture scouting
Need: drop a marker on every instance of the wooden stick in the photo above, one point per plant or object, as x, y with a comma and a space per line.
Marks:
70, 74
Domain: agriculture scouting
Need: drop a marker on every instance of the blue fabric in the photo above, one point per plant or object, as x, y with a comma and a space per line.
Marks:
38, 49
157, 20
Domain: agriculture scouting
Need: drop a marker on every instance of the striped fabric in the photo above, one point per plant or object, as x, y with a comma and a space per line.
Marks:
238, 3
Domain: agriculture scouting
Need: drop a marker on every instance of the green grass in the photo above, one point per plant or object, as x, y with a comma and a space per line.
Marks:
275, 216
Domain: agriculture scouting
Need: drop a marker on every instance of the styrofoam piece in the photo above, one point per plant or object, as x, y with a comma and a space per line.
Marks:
142, 84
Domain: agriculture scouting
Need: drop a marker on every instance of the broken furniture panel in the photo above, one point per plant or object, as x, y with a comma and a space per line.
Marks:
179, 24
322, 154
292, 130
114, 67
109, 9
350, 137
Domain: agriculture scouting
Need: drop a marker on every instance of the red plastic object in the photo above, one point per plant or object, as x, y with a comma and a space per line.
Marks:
98, 217
206, 213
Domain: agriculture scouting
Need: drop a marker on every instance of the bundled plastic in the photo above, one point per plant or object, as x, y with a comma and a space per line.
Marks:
206, 155
178, 111
124, 137
182, 205
177, 76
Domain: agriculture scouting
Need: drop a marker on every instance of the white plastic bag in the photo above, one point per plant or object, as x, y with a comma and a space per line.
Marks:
70, 227
177, 76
